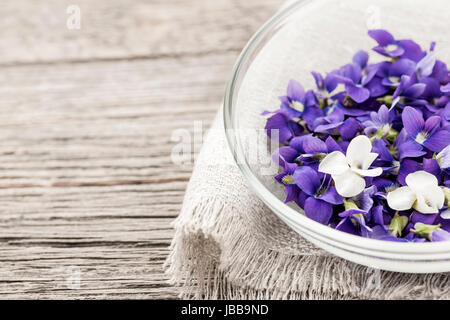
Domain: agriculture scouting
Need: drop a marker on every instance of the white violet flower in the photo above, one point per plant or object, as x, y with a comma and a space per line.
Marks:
443, 158
421, 193
348, 170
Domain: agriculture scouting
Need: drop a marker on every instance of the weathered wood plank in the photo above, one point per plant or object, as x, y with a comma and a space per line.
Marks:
92, 185
103, 272
86, 117
36, 32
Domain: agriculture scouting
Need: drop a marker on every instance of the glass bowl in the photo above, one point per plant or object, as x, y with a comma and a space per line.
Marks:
321, 35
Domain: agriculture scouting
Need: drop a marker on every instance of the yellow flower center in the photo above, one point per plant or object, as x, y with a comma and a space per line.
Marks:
421, 137
394, 79
288, 179
391, 47
296, 105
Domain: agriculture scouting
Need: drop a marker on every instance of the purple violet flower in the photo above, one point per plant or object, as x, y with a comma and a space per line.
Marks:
320, 196
286, 179
393, 72
300, 104
316, 149
407, 148
380, 123
280, 125
427, 133
350, 75
387, 45
409, 87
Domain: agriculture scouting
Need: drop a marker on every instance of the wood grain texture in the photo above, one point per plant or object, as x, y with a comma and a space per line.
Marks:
87, 185
36, 32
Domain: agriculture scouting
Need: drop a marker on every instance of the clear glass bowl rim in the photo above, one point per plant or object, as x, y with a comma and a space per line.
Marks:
281, 209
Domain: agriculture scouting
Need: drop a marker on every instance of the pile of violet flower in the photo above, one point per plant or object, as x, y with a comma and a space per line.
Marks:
368, 152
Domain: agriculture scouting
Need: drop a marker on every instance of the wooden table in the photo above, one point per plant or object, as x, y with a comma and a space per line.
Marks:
87, 185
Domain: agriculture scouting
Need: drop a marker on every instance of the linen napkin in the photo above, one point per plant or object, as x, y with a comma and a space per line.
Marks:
227, 243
